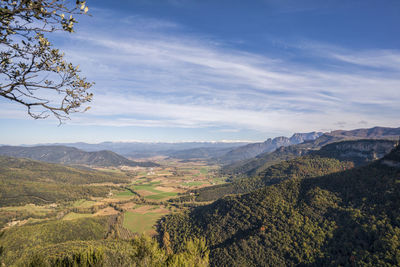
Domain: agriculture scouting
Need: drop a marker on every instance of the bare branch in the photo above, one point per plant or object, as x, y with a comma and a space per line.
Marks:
32, 72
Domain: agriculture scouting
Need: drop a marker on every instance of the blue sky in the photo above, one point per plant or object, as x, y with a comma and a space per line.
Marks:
186, 70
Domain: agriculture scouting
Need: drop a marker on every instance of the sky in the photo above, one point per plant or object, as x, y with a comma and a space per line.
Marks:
212, 70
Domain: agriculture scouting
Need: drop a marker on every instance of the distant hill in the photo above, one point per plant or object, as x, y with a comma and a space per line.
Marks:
262, 161
149, 149
347, 218
252, 150
28, 181
70, 156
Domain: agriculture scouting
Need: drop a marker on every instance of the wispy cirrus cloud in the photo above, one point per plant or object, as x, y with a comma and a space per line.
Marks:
387, 60
154, 74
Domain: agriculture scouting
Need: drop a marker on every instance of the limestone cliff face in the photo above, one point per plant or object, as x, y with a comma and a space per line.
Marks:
371, 133
252, 150
360, 151
299, 138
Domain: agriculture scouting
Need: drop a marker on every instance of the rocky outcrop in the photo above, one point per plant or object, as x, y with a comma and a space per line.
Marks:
359, 151
299, 138
253, 150
370, 133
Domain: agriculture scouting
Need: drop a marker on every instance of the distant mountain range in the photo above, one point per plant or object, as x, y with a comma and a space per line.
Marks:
146, 149
262, 161
252, 150
70, 156
230, 154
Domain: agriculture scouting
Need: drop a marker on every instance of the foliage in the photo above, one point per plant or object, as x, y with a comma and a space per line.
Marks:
71, 156
17, 241
341, 219
25, 181
301, 167
25, 169
140, 251
29, 211
32, 72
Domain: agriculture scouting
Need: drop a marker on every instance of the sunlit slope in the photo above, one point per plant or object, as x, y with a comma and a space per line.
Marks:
302, 167
346, 218
70, 156
27, 181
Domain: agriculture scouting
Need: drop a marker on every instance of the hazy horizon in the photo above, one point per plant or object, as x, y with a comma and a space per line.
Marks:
177, 141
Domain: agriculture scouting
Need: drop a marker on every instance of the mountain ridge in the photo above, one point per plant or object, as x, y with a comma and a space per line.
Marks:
252, 150
71, 156
252, 166
149, 149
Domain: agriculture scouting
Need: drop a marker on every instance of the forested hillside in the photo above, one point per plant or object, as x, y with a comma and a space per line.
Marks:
25, 181
70, 156
90, 242
345, 218
330, 158
307, 166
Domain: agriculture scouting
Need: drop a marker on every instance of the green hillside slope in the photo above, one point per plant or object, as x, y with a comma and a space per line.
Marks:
349, 218
17, 241
315, 163
70, 156
25, 181
302, 167
85, 242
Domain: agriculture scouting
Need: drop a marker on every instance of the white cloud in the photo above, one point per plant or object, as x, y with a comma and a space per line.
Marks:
383, 59
147, 77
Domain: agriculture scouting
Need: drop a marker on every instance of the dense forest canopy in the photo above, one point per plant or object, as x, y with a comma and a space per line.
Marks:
350, 217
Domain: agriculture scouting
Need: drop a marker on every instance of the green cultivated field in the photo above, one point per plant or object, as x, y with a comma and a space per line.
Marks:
193, 183
204, 171
83, 203
73, 216
162, 195
123, 194
148, 187
30, 208
44, 205
140, 223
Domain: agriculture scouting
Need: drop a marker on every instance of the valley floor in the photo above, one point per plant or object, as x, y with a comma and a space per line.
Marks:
140, 203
